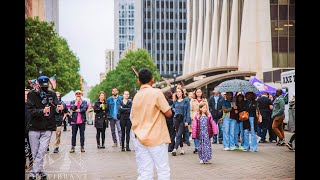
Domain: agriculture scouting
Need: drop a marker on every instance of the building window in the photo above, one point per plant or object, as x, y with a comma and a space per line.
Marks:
292, 12
273, 1
274, 12
283, 12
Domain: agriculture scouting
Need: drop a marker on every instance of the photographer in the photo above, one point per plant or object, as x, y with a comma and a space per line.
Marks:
42, 106
60, 118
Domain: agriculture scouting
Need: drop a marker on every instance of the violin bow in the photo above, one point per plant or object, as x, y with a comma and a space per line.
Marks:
135, 71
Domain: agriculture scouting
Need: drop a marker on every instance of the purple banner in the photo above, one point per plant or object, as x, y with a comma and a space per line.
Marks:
262, 86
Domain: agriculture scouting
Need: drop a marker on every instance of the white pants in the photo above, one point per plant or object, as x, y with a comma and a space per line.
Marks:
149, 156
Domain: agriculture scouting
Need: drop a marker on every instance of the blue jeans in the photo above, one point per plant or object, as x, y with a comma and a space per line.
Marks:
228, 132
238, 128
253, 146
196, 143
262, 132
219, 137
186, 135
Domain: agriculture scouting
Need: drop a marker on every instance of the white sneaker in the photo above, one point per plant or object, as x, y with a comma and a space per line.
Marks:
201, 162
182, 152
258, 139
226, 149
232, 149
174, 152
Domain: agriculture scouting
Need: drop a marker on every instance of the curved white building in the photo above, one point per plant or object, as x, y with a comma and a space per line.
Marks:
228, 33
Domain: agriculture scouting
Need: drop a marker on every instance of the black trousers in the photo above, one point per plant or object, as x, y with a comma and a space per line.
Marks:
64, 125
172, 134
293, 137
75, 128
180, 128
125, 131
101, 132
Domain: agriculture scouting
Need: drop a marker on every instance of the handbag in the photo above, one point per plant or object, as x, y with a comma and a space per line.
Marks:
243, 116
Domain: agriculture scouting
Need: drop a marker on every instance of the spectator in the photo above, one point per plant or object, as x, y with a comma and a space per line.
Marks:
101, 121
203, 129
278, 115
215, 108
59, 117
42, 105
114, 106
125, 122
78, 109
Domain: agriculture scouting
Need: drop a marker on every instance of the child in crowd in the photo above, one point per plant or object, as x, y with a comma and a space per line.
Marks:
203, 129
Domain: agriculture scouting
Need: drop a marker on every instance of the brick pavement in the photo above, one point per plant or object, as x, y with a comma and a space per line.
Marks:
271, 162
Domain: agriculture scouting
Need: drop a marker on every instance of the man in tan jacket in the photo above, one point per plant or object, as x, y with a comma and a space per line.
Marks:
151, 136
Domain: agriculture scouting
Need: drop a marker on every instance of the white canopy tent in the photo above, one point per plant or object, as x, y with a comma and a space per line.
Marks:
71, 96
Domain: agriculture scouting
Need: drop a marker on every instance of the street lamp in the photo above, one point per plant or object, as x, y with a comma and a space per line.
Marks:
40, 71
174, 79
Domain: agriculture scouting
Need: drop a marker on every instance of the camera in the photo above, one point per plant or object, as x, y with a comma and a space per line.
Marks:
47, 98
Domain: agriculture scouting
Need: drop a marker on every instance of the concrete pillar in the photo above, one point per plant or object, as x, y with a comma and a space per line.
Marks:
206, 38
199, 47
214, 35
193, 45
233, 46
223, 38
187, 49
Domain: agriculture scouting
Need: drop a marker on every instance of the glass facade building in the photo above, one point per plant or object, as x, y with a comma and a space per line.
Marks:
124, 26
283, 33
161, 29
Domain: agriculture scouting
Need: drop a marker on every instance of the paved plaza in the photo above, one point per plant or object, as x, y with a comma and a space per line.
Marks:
271, 162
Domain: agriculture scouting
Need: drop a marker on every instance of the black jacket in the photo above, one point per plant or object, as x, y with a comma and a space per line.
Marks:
169, 120
35, 106
125, 110
101, 115
250, 107
59, 116
216, 113
27, 119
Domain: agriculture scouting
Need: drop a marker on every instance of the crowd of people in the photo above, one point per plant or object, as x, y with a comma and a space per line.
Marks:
164, 124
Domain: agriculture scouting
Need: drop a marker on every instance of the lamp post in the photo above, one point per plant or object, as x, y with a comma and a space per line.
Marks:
174, 79
40, 71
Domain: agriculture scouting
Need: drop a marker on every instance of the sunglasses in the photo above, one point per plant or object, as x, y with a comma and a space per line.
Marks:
78, 93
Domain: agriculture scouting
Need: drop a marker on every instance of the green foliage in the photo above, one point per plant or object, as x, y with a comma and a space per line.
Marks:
46, 50
123, 77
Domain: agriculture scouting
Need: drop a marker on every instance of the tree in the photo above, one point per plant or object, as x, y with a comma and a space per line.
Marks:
123, 77
46, 50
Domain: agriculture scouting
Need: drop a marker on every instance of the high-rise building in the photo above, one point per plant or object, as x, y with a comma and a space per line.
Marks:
109, 60
123, 26
256, 36
46, 10
282, 14
102, 76
160, 27
52, 12
35, 8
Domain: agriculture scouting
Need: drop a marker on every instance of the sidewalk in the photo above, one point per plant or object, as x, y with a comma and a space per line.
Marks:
271, 162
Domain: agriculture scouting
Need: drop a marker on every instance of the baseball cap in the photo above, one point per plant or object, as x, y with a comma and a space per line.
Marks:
78, 91
43, 80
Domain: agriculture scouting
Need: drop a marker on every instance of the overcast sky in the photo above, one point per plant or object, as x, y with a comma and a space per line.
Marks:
88, 27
